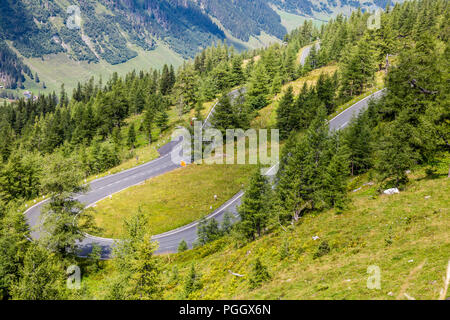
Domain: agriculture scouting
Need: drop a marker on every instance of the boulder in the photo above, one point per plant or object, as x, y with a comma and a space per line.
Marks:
391, 191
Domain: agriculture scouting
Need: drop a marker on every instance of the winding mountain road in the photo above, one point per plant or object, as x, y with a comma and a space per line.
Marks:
169, 241
306, 51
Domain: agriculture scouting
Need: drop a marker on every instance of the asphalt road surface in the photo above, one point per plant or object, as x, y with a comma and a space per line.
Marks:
342, 119
306, 51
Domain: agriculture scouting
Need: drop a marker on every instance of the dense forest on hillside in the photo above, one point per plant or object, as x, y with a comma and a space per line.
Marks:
109, 25
80, 134
12, 69
247, 18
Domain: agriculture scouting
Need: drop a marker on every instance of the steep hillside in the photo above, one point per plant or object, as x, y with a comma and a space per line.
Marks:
12, 69
329, 255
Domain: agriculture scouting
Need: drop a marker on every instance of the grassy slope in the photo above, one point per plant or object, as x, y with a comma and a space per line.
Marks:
292, 21
406, 235
174, 199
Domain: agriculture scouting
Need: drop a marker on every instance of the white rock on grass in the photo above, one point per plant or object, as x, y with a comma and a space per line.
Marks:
391, 191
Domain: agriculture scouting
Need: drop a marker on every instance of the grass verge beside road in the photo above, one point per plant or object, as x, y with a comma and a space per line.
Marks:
172, 200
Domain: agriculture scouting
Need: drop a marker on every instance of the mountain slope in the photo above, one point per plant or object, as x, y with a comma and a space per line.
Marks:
117, 31
398, 234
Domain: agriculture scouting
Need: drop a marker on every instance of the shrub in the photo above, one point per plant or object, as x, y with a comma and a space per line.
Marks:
182, 246
324, 248
192, 282
259, 275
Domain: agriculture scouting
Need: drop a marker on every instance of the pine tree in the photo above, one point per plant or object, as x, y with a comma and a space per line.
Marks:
147, 124
172, 77
286, 153
227, 223
131, 140
301, 182
63, 98
60, 217
207, 92
187, 86
435, 131
192, 282
138, 270
259, 275
222, 77
289, 72
258, 88
145, 272
182, 246
162, 120
277, 83
306, 107
223, 117
181, 107
358, 69
287, 120
138, 103
357, 137
325, 90
255, 209
94, 258
117, 139
20, 177
13, 245
165, 81
237, 74
394, 154
198, 111
336, 175
208, 231
42, 276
